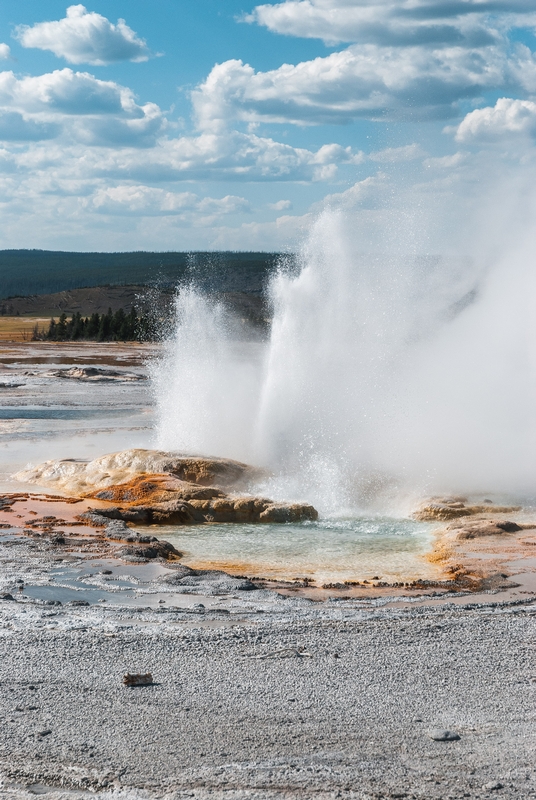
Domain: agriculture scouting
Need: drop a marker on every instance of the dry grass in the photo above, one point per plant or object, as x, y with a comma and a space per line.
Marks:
20, 329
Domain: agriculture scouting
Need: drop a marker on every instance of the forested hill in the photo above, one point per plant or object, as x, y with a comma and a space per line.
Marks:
31, 272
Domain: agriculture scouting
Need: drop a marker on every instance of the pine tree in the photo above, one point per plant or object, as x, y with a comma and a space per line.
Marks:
61, 328
92, 330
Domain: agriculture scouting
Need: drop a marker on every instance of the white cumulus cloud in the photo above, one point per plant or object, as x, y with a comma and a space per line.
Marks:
85, 37
407, 59
222, 156
281, 205
396, 22
506, 117
365, 81
5, 51
143, 200
79, 105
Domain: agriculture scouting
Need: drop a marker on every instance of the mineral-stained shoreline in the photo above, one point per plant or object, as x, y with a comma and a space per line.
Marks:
477, 547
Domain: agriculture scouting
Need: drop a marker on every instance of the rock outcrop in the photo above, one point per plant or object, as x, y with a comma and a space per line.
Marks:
443, 509
77, 477
149, 487
96, 375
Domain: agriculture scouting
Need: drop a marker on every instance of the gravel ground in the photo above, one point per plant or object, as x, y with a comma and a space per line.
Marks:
302, 701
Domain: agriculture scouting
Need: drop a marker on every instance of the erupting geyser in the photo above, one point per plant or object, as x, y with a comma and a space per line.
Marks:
382, 375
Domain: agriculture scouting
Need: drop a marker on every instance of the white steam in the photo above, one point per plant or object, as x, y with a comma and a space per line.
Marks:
383, 374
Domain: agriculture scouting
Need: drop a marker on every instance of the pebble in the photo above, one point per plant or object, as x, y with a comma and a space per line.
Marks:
439, 735
493, 786
138, 679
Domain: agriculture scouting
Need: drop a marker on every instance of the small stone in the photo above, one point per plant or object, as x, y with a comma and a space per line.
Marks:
439, 735
493, 786
53, 602
136, 679
6, 596
78, 603
106, 572
509, 527
44, 733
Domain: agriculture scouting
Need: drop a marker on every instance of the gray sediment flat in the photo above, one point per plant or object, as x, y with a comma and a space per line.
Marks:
306, 700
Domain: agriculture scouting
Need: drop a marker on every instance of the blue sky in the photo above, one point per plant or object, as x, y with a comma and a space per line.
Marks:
229, 125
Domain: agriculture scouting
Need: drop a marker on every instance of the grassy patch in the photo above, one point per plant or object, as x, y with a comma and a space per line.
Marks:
20, 329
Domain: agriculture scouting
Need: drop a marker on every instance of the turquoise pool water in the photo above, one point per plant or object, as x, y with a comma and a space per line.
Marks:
330, 550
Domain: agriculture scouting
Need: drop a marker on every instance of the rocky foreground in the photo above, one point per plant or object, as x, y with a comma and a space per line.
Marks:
299, 702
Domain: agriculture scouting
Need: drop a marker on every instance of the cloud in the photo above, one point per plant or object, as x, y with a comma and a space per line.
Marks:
66, 92
226, 155
81, 106
395, 23
84, 37
5, 51
149, 201
407, 60
15, 128
362, 81
506, 118
281, 205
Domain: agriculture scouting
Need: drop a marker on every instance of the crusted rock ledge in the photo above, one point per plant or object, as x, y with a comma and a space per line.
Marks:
149, 487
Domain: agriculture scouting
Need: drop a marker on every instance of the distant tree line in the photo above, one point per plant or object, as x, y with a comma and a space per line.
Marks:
109, 327
34, 272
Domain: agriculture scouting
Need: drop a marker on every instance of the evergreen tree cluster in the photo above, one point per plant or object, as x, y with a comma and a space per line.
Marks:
109, 327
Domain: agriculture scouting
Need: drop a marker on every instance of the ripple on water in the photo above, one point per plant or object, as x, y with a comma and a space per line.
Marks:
330, 550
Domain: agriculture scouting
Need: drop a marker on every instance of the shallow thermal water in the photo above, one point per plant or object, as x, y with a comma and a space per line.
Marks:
327, 551
45, 417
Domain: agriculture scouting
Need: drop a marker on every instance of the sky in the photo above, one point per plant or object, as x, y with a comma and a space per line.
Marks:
225, 124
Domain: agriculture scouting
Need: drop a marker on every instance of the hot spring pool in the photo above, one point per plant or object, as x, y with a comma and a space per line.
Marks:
330, 550
49, 417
